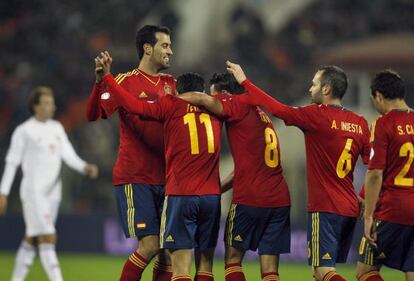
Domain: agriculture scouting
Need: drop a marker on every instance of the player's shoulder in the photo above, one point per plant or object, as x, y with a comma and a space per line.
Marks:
125, 76
168, 78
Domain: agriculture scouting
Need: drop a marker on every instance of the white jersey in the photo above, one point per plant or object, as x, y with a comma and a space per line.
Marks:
40, 148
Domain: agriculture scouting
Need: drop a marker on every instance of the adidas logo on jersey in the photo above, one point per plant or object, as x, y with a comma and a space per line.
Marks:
169, 239
238, 238
143, 95
327, 256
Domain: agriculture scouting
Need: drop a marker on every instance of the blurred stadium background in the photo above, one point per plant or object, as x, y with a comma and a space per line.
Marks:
278, 42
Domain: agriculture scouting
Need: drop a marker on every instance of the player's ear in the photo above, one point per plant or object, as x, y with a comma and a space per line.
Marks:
147, 49
326, 89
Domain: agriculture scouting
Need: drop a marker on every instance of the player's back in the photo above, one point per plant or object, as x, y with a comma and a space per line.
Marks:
141, 147
334, 139
192, 145
393, 151
258, 174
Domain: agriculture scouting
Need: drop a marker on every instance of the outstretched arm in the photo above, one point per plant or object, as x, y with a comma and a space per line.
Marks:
203, 100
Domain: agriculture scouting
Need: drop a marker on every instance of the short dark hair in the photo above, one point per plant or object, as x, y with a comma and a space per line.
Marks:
146, 35
190, 82
227, 82
389, 84
335, 77
36, 94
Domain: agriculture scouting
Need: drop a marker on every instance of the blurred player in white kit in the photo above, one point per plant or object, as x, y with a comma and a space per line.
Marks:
39, 145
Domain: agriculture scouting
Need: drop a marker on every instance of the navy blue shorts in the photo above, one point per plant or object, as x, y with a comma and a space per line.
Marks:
395, 247
252, 228
139, 208
190, 222
329, 238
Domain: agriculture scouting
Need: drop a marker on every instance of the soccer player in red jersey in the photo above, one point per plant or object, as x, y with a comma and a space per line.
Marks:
259, 214
139, 172
389, 184
191, 212
334, 138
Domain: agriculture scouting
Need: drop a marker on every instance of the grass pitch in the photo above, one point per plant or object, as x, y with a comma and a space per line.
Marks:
76, 267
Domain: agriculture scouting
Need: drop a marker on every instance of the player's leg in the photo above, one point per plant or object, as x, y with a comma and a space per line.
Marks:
162, 270
204, 264
239, 236
233, 259
208, 225
48, 256
138, 213
177, 232
324, 244
40, 214
24, 259
274, 239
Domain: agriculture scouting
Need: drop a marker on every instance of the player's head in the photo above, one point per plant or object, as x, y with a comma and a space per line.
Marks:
387, 85
329, 81
42, 103
225, 83
153, 43
189, 82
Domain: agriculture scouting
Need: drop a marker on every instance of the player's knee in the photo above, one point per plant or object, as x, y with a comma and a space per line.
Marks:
363, 268
149, 246
233, 255
47, 239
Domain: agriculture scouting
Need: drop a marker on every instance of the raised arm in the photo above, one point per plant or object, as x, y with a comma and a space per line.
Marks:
256, 96
203, 100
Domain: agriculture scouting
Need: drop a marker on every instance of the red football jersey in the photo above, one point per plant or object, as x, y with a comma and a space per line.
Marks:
192, 141
393, 152
141, 144
258, 175
334, 139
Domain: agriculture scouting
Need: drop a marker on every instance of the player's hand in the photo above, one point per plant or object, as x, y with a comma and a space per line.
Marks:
103, 64
237, 71
3, 204
370, 231
91, 170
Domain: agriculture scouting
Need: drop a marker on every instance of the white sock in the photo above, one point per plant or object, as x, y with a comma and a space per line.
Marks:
50, 261
24, 260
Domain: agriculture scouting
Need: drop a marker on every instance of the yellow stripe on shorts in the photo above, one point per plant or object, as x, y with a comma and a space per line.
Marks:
230, 224
130, 209
163, 221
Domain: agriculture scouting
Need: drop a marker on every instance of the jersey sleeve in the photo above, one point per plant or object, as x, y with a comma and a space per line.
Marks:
13, 160
145, 108
302, 117
69, 155
378, 154
233, 108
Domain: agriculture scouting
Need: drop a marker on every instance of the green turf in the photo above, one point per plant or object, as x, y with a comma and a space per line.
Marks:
77, 267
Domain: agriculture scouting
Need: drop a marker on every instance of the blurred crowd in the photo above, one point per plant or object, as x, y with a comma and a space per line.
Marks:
54, 42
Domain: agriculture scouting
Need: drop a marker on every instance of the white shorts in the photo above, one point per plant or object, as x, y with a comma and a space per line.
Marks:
40, 216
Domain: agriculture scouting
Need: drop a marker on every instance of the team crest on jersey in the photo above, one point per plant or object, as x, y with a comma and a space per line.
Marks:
167, 89
143, 95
